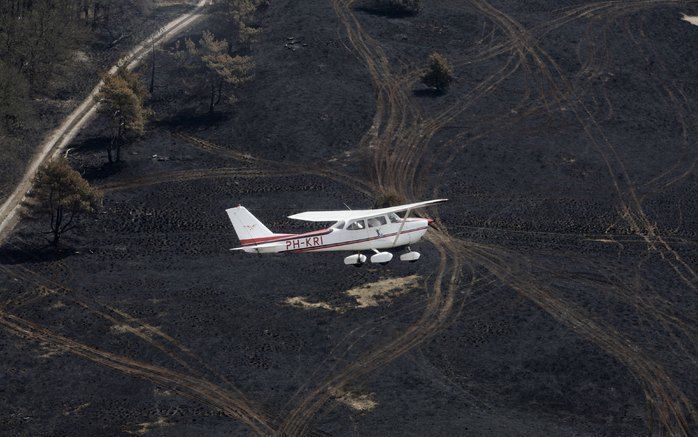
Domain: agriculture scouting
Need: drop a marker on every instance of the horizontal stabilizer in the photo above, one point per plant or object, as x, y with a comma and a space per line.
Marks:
265, 247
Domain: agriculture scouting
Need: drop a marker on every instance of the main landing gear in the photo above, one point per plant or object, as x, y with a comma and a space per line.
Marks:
382, 258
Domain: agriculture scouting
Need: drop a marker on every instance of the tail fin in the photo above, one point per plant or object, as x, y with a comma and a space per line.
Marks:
247, 227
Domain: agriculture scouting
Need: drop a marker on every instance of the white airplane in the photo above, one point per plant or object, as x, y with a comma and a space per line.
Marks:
354, 230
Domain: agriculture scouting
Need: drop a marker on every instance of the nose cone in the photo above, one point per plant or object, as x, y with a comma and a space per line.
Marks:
430, 221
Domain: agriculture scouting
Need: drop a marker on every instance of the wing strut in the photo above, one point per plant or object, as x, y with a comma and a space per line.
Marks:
404, 220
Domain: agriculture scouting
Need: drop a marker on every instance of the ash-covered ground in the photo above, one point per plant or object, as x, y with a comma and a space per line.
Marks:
556, 295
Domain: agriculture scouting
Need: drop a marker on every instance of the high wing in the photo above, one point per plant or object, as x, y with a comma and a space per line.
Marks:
344, 215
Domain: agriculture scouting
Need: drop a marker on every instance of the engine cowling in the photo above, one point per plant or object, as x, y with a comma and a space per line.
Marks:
382, 258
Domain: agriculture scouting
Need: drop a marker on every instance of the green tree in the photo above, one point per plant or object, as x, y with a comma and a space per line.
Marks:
121, 99
63, 195
440, 73
217, 67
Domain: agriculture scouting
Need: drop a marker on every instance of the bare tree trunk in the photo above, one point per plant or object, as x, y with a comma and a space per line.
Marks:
152, 71
95, 12
213, 98
56, 227
109, 148
119, 141
220, 91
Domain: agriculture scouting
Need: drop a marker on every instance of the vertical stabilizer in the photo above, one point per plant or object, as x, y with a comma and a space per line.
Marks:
247, 227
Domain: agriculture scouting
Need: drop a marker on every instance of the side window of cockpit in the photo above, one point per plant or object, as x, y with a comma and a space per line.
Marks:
357, 225
376, 222
394, 218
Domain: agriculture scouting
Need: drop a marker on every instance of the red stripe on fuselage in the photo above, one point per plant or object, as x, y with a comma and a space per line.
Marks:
345, 243
282, 237
249, 241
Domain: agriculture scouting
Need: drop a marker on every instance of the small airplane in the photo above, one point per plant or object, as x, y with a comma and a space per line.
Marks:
354, 230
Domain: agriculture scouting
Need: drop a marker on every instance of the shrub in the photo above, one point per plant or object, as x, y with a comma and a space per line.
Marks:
440, 73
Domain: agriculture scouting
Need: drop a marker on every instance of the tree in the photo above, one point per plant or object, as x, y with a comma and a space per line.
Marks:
121, 99
218, 67
242, 13
440, 73
63, 195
